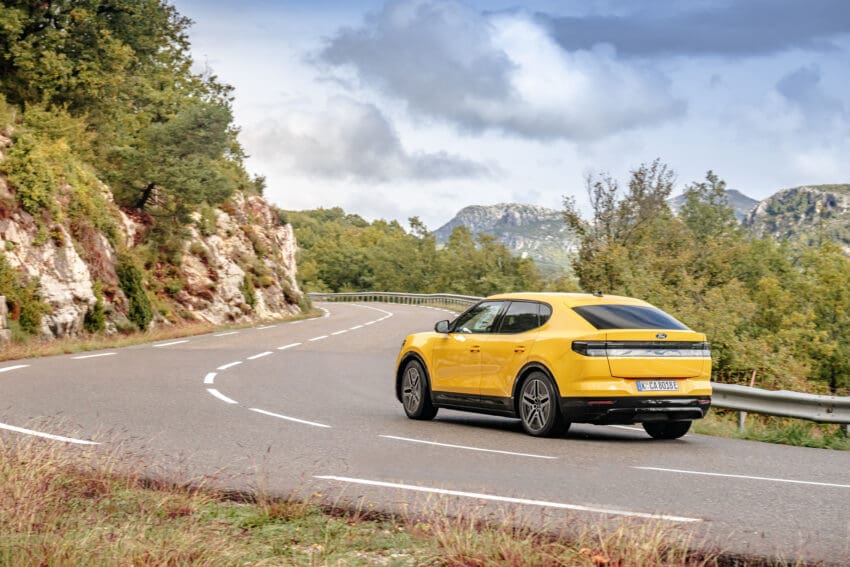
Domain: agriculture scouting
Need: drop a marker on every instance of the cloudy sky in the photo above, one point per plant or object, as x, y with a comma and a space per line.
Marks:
398, 108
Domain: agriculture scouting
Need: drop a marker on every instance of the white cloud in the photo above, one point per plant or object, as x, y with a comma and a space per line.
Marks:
499, 72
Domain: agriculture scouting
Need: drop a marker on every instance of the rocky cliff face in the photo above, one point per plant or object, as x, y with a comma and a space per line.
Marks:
804, 214
242, 243
527, 230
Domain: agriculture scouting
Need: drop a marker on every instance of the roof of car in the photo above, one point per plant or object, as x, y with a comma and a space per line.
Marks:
572, 299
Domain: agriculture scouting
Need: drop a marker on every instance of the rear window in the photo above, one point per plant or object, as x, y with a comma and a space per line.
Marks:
628, 317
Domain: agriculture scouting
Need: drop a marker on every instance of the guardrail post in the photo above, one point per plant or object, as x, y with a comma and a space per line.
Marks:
742, 421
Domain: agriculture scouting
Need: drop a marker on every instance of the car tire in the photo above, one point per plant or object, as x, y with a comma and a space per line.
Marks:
415, 392
539, 408
666, 429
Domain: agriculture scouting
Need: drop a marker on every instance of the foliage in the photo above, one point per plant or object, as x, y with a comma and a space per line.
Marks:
26, 307
342, 252
248, 290
139, 308
95, 320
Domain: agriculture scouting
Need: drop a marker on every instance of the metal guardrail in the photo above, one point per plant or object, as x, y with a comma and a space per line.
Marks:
782, 403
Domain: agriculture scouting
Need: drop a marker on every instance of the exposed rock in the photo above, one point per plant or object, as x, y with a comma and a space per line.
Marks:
5, 333
740, 203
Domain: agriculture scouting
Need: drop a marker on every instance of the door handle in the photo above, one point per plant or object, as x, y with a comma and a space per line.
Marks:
475, 348
519, 348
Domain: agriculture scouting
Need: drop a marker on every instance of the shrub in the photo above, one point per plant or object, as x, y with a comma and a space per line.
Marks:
26, 307
95, 321
139, 309
248, 291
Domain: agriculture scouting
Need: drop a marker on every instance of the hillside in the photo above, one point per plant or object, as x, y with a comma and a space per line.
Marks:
529, 231
741, 204
804, 214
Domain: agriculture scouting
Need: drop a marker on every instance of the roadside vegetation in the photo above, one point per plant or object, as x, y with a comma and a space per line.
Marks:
80, 506
770, 429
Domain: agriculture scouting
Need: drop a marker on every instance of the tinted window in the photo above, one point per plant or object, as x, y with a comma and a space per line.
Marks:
627, 317
479, 319
524, 316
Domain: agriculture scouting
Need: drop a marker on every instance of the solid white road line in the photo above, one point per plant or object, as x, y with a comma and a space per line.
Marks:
227, 334
171, 343
284, 347
83, 357
261, 355
297, 322
208, 379
627, 427
747, 477
47, 435
370, 323
318, 338
265, 327
229, 365
510, 500
467, 448
296, 420
221, 396
339, 332
16, 367
355, 327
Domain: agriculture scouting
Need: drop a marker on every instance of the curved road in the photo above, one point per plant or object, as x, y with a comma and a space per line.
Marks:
309, 406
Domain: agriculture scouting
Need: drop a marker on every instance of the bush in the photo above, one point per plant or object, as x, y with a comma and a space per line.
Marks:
95, 321
26, 307
248, 291
139, 309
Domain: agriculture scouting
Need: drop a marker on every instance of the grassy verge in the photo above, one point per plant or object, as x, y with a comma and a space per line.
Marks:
724, 423
71, 506
34, 347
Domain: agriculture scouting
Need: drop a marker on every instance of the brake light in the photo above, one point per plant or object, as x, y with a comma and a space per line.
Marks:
591, 348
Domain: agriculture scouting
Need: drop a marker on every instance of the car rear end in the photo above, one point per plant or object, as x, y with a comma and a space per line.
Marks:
636, 365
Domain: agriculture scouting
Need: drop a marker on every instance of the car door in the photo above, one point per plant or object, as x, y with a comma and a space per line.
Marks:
505, 352
456, 364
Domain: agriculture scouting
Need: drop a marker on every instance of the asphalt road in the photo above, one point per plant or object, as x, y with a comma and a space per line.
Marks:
309, 407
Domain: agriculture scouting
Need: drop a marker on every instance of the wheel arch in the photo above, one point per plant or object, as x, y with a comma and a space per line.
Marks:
523, 374
411, 355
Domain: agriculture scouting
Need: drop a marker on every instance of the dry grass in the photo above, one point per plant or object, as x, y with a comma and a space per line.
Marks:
62, 505
769, 429
47, 347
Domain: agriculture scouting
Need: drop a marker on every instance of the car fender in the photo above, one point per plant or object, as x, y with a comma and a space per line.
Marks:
412, 353
528, 367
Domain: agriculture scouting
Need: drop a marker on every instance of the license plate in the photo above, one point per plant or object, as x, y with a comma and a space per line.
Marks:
657, 386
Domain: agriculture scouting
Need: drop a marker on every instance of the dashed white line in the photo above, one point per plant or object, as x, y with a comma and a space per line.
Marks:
318, 338
296, 420
467, 448
354, 328
339, 332
227, 334
171, 343
229, 365
284, 347
261, 355
208, 379
509, 499
84, 356
221, 396
16, 367
47, 435
747, 477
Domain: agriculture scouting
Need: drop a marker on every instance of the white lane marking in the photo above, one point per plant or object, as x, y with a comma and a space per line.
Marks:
229, 365
208, 379
261, 355
171, 343
747, 477
355, 327
627, 427
296, 420
467, 448
387, 313
327, 313
221, 396
83, 357
227, 334
16, 367
318, 338
510, 499
284, 347
265, 327
47, 435
297, 322
339, 332
370, 323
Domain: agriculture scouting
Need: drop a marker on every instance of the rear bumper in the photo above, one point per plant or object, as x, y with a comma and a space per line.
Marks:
626, 410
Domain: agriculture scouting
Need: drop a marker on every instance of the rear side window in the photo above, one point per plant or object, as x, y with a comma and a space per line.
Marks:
524, 316
628, 317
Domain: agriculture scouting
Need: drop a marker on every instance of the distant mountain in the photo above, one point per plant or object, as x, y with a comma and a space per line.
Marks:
804, 214
529, 231
741, 204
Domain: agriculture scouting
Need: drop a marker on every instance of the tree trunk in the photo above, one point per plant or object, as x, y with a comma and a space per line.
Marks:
146, 195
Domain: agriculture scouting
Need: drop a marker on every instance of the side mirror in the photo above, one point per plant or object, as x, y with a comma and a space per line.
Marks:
442, 327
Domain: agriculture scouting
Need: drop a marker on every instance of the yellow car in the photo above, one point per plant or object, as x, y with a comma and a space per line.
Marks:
552, 359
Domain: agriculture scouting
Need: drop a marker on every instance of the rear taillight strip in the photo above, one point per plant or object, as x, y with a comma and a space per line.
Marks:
642, 349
